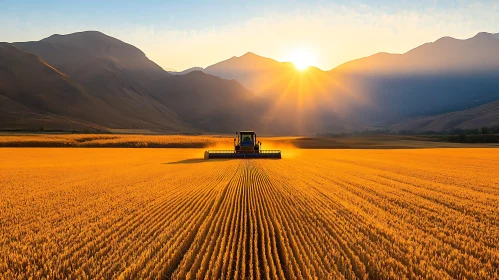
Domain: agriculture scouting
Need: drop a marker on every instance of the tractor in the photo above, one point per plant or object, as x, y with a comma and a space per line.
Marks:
245, 146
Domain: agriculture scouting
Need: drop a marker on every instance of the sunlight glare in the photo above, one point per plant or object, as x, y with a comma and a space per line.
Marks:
303, 58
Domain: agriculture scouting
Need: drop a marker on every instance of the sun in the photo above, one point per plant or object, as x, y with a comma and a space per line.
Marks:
302, 58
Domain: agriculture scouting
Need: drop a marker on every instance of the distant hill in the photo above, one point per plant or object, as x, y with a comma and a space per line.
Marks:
445, 55
186, 71
210, 103
434, 78
484, 115
128, 83
113, 85
255, 72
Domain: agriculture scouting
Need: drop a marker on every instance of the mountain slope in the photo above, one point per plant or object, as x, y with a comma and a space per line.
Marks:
211, 103
77, 51
299, 102
122, 77
34, 94
445, 55
114, 72
114, 85
484, 115
253, 71
186, 71
435, 78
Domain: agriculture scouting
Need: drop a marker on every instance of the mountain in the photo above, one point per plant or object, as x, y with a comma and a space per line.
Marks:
300, 102
443, 76
77, 52
484, 115
211, 103
91, 80
253, 71
186, 71
45, 96
435, 78
445, 55
33, 94
136, 89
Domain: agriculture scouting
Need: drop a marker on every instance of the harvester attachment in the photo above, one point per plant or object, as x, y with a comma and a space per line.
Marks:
213, 154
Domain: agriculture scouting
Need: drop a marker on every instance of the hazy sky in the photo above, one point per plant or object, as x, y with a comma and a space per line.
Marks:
183, 34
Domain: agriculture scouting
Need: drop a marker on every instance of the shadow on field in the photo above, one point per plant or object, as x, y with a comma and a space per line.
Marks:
194, 160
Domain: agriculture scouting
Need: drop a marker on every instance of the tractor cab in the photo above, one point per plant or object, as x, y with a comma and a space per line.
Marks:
246, 142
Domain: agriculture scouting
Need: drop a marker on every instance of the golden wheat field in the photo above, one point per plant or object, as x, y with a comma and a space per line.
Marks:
223, 141
316, 214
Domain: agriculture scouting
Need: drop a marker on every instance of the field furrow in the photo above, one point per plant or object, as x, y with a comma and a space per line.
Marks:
315, 214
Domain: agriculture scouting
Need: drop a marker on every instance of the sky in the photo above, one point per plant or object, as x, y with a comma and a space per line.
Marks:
181, 34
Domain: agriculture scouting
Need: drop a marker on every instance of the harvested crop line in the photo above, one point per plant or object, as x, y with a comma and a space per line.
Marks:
154, 213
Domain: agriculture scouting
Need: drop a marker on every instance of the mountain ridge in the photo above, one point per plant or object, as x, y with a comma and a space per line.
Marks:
484, 115
479, 45
139, 92
382, 88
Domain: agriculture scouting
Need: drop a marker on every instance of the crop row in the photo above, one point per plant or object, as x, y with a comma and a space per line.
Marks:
126, 214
